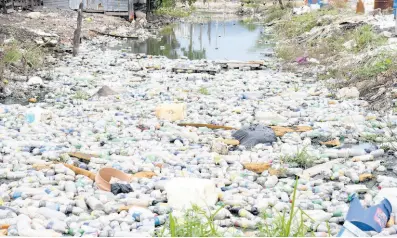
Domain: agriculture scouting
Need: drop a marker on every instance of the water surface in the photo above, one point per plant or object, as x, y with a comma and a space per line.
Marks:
213, 40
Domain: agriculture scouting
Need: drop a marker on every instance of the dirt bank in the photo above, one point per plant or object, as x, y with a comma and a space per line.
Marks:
340, 47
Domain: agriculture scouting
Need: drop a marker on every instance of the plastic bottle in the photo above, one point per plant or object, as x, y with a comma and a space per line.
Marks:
94, 203
139, 202
271, 181
70, 188
6, 213
51, 214
56, 225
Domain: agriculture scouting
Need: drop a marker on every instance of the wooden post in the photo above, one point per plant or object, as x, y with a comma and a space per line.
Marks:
5, 6
131, 10
77, 32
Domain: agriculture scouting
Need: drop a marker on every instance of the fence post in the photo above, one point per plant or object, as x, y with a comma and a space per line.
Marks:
130, 10
77, 32
5, 6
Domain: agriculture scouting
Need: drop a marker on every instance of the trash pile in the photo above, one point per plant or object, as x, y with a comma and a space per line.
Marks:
121, 141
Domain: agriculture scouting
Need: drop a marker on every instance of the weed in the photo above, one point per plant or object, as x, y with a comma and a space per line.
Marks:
204, 91
302, 159
296, 87
195, 222
365, 37
12, 53
288, 52
375, 66
81, 95
174, 12
285, 225
33, 56
275, 13
369, 138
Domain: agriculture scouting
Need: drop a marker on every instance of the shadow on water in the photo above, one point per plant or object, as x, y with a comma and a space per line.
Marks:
213, 40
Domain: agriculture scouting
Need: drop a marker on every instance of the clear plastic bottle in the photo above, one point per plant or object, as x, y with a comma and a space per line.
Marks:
94, 203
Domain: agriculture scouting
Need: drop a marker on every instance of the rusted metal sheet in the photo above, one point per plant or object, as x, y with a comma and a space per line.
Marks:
116, 6
383, 4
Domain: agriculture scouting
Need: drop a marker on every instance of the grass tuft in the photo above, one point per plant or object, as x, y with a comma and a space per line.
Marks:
195, 222
275, 13
365, 37
302, 159
81, 95
204, 91
287, 225
12, 53
174, 12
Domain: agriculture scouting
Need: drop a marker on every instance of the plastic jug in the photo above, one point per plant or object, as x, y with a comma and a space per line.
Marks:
371, 219
171, 112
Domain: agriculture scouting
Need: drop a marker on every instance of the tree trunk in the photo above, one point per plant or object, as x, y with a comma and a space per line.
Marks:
77, 32
281, 4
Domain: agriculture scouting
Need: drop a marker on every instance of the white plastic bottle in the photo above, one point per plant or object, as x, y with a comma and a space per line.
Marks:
51, 214
70, 189
56, 225
94, 203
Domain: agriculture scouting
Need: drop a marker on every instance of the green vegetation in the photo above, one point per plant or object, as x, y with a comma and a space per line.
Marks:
293, 26
275, 13
204, 91
375, 66
169, 8
174, 12
20, 58
33, 56
287, 225
365, 37
81, 95
195, 222
12, 54
302, 159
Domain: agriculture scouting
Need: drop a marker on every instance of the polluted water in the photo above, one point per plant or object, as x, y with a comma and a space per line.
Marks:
312, 133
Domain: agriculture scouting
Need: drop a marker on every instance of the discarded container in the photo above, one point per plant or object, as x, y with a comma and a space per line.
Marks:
183, 192
382, 4
350, 230
171, 112
371, 219
102, 179
360, 7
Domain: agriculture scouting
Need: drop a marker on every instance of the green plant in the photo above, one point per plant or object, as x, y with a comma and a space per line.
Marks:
364, 37
174, 12
12, 53
33, 56
302, 158
288, 52
296, 87
283, 225
204, 91
275, 13
195, 222
374, 66
81, 95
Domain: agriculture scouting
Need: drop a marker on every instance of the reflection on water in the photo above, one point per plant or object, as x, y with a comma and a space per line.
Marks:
214, 40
